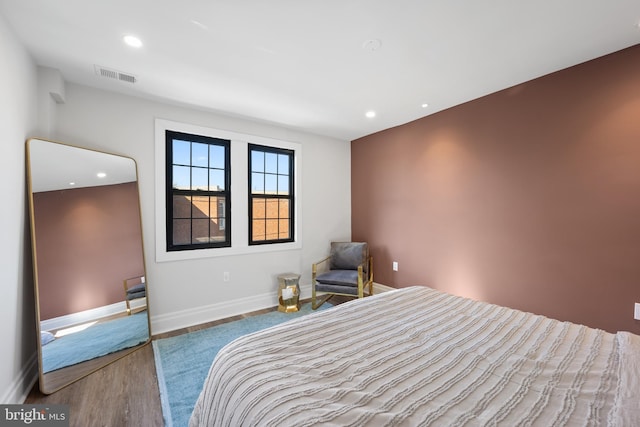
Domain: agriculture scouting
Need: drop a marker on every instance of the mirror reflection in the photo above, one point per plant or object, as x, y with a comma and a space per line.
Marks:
91, 291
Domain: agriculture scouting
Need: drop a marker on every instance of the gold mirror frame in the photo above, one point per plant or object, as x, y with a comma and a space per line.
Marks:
74, 284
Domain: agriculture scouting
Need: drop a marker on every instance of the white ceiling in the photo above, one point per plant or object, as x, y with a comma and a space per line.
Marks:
305, 65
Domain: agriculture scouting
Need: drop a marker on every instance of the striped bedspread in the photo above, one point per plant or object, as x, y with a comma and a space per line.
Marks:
417, 356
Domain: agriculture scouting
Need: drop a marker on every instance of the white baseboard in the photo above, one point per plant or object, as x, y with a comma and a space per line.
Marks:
182, 319
89, 315
196, 316
23, 383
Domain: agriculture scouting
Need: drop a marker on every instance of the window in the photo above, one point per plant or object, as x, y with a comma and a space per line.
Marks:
198, 191
229, 215
271, 200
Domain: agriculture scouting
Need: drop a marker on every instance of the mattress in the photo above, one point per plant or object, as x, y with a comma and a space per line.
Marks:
418, 356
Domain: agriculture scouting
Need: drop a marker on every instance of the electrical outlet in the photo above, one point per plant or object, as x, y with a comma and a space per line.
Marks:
225, 276
395, 265
636, 314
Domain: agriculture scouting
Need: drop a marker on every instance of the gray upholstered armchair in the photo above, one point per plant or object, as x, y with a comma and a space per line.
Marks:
348, 270
134, 288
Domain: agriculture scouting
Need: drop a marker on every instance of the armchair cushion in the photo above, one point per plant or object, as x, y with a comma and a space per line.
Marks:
335, 289
137, 291
136, 295
348, 255
339, 277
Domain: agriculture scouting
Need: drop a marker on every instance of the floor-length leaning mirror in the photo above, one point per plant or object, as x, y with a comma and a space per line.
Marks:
89, 272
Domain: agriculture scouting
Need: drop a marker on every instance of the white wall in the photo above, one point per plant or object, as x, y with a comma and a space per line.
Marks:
193, 291
18, 115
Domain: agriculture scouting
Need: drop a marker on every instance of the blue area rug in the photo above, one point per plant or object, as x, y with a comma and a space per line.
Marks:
95, 341
183, 361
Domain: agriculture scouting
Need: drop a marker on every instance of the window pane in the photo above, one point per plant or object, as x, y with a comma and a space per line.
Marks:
181, 207
258, 229
181, 152
283, 229
217, 207
283, 184
212, 206
200, 230
199, 179
181, 231
216, 180
199, 154
257, 183
271, 162
270, 184
259, 208
181, 177
216, 156
283, 164
200, 207
272, 229
221, 220
284, 209
272, 208
257, 161
217, 231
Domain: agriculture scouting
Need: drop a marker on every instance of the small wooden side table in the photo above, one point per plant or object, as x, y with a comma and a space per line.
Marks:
288, 292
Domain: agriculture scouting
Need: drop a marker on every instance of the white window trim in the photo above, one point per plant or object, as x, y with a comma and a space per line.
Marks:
239, 193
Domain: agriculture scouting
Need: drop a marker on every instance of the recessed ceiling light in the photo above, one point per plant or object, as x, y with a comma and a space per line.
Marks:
101, 174
370, 114
425, 105
72, 183
132, 41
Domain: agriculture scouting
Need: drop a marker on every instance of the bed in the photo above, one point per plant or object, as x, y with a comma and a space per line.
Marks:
418, 356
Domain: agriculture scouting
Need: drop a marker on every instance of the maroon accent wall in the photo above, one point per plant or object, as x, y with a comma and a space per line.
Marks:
528, 197
88, 240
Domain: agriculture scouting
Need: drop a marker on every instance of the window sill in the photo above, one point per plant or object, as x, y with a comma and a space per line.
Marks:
164, 256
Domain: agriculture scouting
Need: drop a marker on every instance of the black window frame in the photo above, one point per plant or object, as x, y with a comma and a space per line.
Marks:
170, 136
290, 197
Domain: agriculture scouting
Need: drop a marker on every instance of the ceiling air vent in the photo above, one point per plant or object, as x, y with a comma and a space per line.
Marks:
114, 74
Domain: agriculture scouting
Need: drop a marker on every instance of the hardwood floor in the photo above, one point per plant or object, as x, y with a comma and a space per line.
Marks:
124, 393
